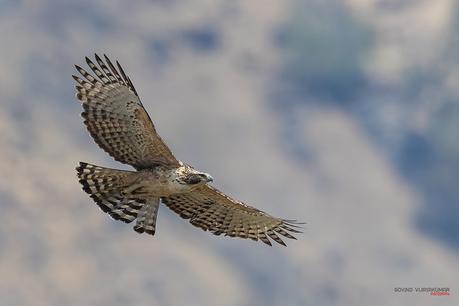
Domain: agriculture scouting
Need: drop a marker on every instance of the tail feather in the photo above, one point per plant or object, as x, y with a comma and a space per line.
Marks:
105, 186
146, 220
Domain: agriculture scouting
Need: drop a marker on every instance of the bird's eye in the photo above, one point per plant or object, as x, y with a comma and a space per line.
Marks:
193, 179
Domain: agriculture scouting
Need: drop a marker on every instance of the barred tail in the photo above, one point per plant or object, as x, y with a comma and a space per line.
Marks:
146, 220
106, 187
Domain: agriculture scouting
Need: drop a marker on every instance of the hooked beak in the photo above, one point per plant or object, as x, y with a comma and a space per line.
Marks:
209, 178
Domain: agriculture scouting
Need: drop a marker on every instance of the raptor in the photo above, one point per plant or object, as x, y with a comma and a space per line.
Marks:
119, 124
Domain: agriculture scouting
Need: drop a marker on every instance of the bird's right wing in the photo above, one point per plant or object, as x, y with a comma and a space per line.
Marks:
116, 119
212, 210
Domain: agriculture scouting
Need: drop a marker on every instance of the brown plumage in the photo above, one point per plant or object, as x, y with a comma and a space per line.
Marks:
210, 209
119, 124
116, 119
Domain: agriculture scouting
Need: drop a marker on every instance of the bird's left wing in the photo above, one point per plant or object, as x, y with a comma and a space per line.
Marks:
116, 119
212, 210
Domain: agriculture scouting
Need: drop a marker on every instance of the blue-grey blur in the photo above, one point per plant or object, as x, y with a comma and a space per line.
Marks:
342, 114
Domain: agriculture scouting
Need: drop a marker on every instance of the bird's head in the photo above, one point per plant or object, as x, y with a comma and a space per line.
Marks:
187, 175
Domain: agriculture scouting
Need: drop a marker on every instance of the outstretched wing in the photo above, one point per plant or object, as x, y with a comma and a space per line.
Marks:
116, 119
211, 210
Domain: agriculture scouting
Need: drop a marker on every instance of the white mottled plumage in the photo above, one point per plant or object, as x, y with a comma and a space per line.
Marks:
118, 123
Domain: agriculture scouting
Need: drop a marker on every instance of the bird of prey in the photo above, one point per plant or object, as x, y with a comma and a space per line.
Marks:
119, 124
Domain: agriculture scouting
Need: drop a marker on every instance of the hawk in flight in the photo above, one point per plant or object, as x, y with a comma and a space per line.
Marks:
119, 124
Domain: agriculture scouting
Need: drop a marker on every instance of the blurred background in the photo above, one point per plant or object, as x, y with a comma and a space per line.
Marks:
342, 114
